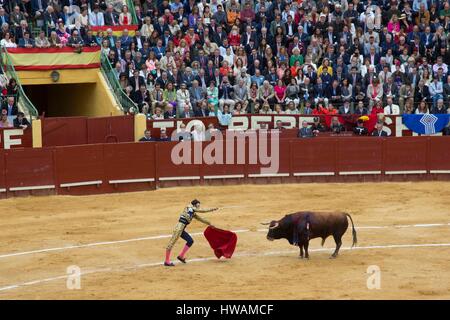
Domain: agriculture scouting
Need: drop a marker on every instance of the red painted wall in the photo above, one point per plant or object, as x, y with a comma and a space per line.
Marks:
121, 167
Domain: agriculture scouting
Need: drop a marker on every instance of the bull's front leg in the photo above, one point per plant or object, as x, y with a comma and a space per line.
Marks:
301, 250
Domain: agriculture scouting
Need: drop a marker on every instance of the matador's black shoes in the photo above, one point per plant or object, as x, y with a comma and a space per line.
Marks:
181, 259
169, 264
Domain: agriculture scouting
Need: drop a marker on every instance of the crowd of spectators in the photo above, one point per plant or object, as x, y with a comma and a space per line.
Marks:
198, 58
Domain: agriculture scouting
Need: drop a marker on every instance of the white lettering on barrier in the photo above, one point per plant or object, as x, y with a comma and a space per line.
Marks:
8, 141
257, 119
163, 124
191, 124
238, 123
387, 121
286, 119
254, 122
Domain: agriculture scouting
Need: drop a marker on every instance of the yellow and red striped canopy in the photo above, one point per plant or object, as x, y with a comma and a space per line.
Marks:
54, 58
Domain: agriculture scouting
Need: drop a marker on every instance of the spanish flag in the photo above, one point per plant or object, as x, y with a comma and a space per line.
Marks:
54, 58
116, 30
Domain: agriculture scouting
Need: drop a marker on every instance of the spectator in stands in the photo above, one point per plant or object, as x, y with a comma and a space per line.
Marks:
42, 41
7, 41
26, 41
147, 137
439, 108
336, 126
158, 115
90, 40
317, 127
96, 18
21, 122
305, 131
10, 107
198, 135
379, 132
75, 41
391, 108
182, 134
54, 40
163, 135
360, 130
4, 122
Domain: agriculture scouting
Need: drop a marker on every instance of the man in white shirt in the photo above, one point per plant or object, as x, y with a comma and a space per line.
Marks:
96, 18
391, 108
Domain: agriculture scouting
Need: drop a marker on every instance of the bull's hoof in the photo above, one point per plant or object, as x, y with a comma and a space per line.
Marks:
333, 257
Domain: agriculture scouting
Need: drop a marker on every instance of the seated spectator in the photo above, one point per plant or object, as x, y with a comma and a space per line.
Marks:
75, 41
21, 122
142, 96
439, 108
163, 135
4, 122
280, 92
26, 41
10, 107
198, 135
379, 132
147, 137
305, 131
201, 110
336, 126
183, 97
360, 130
182, 134
291, 109
212, 93
54, 40
7, 41
226, 94
96, 18
224, 116
346, 109
158, 115
42, 41
90, 40
361, 110
391, 108
317, 127
186, 112
169, 111
12, 88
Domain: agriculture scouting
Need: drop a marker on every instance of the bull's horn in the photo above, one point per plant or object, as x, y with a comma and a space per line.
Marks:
276, 225
265, 223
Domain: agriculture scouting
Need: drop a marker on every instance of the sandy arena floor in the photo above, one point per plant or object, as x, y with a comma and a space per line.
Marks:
412, 250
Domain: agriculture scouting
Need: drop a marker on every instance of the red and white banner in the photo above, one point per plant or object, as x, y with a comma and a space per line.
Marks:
54, 58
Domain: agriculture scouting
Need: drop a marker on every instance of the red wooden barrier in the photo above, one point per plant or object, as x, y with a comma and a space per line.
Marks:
3, 188
30, 171
103, 168
167, 169
24, 140
80, 169
110, 129
64, 131
130, 166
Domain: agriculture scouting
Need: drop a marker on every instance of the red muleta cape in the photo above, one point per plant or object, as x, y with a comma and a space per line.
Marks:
223, 242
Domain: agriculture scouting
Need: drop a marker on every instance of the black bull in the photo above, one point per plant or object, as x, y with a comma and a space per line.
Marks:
300, 227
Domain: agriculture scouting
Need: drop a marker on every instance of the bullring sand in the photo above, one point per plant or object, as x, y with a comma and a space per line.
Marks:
118, 242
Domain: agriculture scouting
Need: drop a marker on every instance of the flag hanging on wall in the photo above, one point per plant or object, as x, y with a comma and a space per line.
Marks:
426, 123
223, 242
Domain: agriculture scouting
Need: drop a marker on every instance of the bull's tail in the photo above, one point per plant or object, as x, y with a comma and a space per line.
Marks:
355, 240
